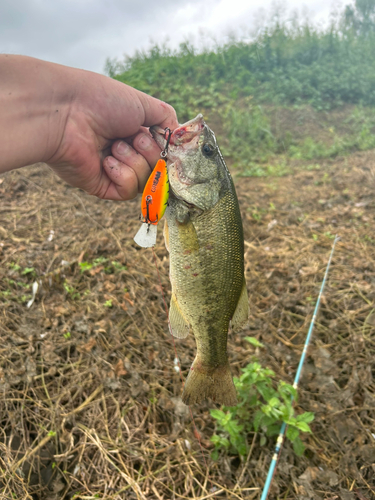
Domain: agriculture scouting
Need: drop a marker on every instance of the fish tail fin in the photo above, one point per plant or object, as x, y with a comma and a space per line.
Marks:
209, 382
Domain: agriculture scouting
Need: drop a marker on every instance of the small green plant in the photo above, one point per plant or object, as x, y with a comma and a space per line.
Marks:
67, 335
71, 291
14, 266
108, 303
366, 238
99, 260
256, 212
261, 408
329, 235
110, 268
27, 286
118, 266
28, 270
85, 266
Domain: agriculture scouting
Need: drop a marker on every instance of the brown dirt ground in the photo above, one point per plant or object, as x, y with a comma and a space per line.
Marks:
89, 398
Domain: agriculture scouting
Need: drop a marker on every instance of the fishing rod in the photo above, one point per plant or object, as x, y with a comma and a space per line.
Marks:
281, 437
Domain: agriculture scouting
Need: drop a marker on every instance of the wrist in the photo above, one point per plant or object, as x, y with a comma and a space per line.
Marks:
35, 100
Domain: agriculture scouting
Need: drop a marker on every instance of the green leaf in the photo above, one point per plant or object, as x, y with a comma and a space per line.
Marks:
303, 426
274, 402
225, 442
298, 447
273, 430
85, 266
307, 417
266, 392
267, 420
215, 439
253, 341
242, 449
27, 270
292, 433
257, 419
286, 391
218, 414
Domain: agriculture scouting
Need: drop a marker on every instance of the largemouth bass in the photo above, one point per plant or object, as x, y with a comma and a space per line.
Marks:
203, 234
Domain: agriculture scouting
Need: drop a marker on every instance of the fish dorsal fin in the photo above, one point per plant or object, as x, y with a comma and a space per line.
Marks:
241, 314
178, 325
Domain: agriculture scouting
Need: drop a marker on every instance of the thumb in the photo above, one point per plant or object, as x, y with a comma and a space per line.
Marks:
157, 112
129, 109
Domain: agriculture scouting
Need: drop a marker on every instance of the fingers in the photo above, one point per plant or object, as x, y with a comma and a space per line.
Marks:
122, 182
129, 167
144, 144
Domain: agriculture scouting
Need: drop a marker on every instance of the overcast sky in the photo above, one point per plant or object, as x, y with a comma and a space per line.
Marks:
83, 33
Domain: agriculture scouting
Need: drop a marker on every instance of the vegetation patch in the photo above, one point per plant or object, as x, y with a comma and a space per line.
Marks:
270, 96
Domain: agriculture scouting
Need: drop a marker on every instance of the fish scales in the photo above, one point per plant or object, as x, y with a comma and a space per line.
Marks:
204, 237
206, 271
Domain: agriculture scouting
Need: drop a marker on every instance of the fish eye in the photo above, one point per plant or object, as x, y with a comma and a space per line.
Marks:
208, 150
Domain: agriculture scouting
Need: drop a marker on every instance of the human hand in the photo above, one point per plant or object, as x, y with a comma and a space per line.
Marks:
91, 130
91, 154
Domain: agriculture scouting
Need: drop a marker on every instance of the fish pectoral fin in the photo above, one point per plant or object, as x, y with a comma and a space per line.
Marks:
166, 235
178, 325
241, 314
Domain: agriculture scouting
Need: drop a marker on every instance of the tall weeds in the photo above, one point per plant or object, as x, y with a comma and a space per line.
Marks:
290, 64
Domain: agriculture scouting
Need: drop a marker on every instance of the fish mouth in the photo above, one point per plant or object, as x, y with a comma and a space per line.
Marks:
182, 135
185, 136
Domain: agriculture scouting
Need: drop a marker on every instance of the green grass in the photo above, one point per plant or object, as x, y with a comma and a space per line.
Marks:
240, 86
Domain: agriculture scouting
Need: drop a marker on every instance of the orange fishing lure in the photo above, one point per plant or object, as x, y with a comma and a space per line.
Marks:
154, 199
154, 202
155, 194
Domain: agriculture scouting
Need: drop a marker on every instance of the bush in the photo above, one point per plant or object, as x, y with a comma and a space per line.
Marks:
261, 408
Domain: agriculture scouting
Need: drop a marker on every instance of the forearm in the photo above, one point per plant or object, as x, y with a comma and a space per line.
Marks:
75, 120
34, 105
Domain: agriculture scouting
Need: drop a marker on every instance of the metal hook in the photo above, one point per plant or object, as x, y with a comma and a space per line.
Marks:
148, 200
164, 153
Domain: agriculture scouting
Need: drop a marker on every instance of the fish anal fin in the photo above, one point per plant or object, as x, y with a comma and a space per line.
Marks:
241, 314
209, 382
178, 325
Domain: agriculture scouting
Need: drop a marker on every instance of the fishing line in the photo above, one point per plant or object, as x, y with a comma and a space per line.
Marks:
196, 433
280, 439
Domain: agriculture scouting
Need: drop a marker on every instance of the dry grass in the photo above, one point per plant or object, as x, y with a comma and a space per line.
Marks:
90, 401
